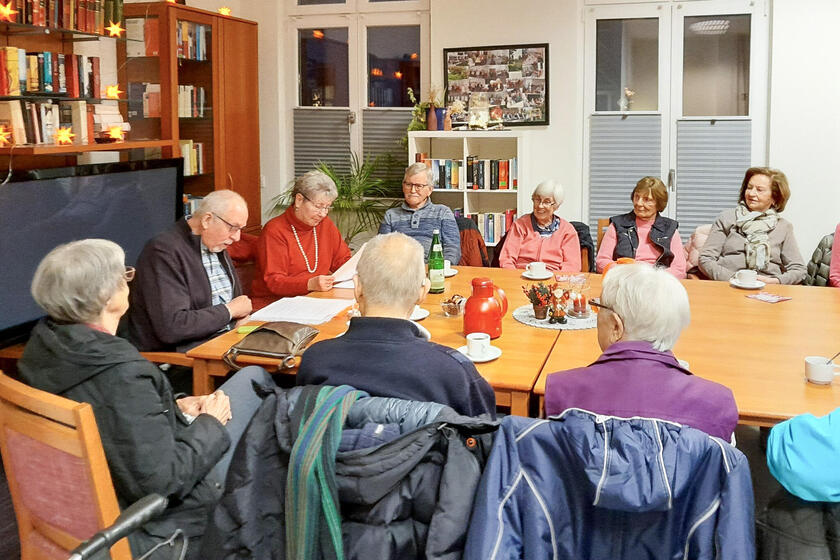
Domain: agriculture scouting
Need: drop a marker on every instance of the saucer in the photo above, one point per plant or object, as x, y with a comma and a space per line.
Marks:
492, 353
419, 313
548, 274
450, 273
757, 285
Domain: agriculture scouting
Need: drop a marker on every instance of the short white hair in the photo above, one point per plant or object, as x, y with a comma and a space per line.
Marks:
74, 282
417, 168
551, 188
650, 301
219, 202
312, 183
391, 271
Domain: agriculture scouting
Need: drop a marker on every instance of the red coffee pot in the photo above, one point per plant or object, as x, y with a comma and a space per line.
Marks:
485, 308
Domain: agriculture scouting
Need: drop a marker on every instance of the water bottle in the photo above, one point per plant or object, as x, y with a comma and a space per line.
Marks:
436, 277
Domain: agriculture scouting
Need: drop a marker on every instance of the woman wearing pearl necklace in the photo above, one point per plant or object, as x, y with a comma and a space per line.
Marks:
298, 251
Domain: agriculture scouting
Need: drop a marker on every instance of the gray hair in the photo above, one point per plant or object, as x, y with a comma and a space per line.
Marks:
650, 301
218, 202
312, 183
74, 282
391, 270
420, 167
551, 188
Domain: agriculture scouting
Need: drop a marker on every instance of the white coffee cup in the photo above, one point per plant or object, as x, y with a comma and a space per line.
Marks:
746, 276
447, 266
818, 370
478, 344
536, 268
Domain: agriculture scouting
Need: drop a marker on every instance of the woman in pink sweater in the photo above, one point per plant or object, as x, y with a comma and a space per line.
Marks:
644, 234
542, 236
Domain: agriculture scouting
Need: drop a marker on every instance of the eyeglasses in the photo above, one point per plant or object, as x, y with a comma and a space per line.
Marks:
128, 275
321, 207
542, 201
414, 186
601, 306
232, 228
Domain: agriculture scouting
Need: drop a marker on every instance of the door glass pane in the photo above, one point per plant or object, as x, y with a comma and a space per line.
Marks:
716, 65
627, 65
323, 67
393, 65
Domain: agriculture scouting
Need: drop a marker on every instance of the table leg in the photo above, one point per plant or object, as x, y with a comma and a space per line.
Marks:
519, 403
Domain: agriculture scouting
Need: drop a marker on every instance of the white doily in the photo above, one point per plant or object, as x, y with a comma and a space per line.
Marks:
525, 314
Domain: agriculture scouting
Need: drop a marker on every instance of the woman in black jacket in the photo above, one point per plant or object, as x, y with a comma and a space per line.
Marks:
153, 442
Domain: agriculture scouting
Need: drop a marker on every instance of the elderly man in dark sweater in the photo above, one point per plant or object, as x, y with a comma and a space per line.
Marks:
383, 352
186, 289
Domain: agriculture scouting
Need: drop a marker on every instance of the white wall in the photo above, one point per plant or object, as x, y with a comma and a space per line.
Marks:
804, 123
555, 150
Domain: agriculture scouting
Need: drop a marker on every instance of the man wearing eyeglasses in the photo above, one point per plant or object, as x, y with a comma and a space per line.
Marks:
418, 216
187, 289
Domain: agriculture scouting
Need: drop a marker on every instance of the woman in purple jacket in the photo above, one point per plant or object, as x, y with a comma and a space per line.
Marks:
643, 311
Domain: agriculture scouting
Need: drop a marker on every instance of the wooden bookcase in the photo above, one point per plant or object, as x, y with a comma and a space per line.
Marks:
215, 58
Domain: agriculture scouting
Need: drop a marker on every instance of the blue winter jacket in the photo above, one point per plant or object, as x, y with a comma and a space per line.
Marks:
585, 486
803, 452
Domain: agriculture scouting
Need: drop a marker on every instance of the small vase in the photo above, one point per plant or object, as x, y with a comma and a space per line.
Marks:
447, 120
540, 311
431, 119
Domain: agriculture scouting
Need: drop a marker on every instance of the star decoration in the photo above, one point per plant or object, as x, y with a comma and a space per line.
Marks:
5, 135
113, 92
116, 133
64, 136
114, 30
7, 12
224, 10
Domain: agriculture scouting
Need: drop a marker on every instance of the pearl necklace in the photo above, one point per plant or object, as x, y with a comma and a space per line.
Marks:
305, 259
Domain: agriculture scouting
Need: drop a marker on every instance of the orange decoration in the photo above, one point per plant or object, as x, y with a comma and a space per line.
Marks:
375, 72
7, 12
114, 30
113, 92
64, 136
171, 1
398, 75
5, 135
116, 133
224, 10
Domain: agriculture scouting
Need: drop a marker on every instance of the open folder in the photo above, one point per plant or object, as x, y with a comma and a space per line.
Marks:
343, 277
302, 309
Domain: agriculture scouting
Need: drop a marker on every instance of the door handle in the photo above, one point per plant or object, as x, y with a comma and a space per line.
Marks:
671, 180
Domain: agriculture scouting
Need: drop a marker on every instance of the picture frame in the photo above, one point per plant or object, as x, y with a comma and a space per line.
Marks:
514, 78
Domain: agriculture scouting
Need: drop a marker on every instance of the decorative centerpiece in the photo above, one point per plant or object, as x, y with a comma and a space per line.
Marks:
559, 301
539, 295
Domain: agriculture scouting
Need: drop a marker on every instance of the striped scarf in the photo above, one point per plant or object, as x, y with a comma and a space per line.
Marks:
313, 519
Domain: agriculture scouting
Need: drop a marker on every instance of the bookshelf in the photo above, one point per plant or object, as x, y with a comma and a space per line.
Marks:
191, 75
489, 146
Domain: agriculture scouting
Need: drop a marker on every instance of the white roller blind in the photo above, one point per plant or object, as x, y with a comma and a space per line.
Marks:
622, 150
712, 156
321, 134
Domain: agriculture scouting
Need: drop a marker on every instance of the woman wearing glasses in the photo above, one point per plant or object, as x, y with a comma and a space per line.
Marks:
154, 443
417, 217
298, 251
542, 236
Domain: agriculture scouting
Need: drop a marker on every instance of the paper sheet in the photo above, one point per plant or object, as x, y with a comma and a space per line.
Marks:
302, 309
348, 270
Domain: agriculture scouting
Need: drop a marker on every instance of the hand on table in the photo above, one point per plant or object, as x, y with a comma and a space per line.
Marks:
321, 283
239, 307
768, 279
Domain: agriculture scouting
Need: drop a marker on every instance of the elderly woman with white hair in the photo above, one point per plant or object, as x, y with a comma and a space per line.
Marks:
542, 235
154, 443
299, 250
643, 310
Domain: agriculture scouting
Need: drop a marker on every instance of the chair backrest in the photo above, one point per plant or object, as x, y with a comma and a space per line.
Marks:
58, 477
603, 224
820, 263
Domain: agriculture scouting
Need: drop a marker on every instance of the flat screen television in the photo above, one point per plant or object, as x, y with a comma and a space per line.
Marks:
126, 202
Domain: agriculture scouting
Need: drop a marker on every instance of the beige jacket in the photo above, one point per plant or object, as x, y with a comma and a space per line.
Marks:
724, 254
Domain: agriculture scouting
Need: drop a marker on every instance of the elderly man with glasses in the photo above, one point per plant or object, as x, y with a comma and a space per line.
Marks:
187, 289
418, 217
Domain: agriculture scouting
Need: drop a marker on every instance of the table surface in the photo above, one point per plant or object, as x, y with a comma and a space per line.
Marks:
524, 349
757, 349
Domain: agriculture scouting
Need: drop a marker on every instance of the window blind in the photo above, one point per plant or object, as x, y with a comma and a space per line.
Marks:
382, 132
321, 135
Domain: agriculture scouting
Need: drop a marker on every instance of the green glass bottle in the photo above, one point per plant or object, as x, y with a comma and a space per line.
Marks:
436, 277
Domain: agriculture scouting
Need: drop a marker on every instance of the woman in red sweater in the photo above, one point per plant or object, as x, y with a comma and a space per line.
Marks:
298, 251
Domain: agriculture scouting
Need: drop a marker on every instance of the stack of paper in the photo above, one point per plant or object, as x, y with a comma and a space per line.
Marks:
343, 277
302, 309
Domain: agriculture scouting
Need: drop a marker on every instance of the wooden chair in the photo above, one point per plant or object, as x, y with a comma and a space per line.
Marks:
58, 478
603, 224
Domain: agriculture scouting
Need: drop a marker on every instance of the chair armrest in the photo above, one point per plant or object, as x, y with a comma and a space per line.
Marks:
174, 358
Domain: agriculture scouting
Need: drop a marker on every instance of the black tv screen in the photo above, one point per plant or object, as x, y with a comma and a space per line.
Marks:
126, 202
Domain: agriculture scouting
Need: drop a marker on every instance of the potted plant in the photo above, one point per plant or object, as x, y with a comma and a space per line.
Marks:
539, 295
359, 206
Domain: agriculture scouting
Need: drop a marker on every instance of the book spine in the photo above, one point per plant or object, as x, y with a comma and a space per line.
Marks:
456, 174
494, 174
503, 174
469, 166
48, 72
447, 184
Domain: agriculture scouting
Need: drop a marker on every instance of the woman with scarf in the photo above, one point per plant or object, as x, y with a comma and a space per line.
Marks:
753, 236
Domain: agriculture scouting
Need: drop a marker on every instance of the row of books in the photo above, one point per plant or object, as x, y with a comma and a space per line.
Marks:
192, 101
191, 39
90, 16
193, 154
491, 225
37, 123
191, 204
74, 75
478, 174
143, 100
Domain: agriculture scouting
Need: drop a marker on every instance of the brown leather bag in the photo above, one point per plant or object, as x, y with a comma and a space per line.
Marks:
282, 340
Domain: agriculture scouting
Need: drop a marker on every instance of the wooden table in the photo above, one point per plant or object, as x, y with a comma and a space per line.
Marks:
512, 376
756, 349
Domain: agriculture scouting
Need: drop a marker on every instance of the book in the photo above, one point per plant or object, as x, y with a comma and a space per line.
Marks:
4, 75
150, 36
32, 83
47, 76
10, 112
95, 86
71, 75
503, 174
78, 120
135, 45
10, 54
